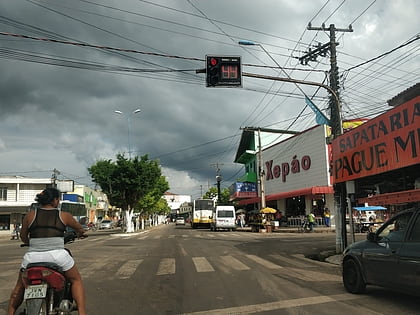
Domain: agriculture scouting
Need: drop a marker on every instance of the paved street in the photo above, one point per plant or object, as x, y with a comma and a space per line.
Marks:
177, 270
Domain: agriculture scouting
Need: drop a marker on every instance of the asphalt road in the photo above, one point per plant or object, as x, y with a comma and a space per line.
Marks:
177, 270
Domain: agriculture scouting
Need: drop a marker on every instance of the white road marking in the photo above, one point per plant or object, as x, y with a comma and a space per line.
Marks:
128, 268
284, 304
202, 264
234, 263
291, 261
265, 263
92, 268
166, 267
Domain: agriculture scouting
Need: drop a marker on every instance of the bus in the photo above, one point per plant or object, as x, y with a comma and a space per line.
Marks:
77, 209
202, 212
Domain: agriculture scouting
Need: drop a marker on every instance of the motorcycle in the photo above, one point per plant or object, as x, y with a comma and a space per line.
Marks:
47, 291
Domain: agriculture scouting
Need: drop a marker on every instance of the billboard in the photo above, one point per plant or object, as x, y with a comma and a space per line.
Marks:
385, 143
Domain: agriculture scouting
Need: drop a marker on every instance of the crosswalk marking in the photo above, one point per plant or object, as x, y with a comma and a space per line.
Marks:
128, 269
291, 261
233, 263
310, 275
299, 268
92, 268
166, 267
202, 264
265, 263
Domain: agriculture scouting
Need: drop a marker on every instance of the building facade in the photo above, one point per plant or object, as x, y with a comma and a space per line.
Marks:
296, 174
16, 195
381, 158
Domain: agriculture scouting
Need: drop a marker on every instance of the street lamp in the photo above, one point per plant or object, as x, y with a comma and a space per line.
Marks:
138, 110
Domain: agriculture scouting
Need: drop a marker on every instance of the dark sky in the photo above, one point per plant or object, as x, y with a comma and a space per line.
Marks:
58, 100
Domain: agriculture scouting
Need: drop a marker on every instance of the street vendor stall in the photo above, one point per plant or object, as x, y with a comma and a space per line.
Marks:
366, 218
262, 219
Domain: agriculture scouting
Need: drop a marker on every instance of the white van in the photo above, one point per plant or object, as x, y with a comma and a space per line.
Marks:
223, 218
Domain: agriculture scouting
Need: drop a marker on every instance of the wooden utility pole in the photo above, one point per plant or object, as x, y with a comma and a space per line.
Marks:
337, 128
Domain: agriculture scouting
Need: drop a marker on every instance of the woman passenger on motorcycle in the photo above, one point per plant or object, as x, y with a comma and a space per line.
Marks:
43, 230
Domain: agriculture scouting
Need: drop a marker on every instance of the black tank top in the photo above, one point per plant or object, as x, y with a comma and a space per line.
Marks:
47, 223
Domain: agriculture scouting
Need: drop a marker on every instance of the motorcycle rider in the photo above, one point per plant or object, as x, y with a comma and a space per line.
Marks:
43, 230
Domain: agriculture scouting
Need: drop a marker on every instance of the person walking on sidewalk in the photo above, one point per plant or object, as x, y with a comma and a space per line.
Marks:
311, 221
327, 217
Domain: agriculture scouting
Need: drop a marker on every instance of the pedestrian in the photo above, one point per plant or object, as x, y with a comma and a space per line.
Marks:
16, 231
242, 219
43, 231
311, 221
327, 217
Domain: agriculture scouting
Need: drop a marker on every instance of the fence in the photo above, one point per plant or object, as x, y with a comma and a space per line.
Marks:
298, 221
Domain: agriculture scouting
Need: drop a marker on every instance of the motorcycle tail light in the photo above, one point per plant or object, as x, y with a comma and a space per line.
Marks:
38, 275
34, 276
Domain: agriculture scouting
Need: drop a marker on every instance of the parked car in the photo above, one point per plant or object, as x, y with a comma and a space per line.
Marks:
180, 221
106, 224
390, 257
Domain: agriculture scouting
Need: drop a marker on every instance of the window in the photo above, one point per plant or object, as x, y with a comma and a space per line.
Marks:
225, 214
3, 193
395, 230
415, 233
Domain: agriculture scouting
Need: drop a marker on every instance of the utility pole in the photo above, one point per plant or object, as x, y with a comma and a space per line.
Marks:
54, 177
218, 180
337, 128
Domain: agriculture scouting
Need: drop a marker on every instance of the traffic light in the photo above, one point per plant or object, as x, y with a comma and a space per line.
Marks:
223, 71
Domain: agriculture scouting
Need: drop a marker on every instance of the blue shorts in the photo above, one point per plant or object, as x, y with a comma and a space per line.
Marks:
60, 257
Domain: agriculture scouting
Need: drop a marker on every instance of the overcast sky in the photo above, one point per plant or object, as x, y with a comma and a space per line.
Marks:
58, 100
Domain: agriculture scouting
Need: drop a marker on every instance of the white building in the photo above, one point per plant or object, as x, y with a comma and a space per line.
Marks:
16, 195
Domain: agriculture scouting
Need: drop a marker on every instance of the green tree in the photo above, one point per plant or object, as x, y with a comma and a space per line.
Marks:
153, 201
127, 181
212, 194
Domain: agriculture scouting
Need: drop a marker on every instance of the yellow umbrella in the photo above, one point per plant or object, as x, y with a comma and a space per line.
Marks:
268, 210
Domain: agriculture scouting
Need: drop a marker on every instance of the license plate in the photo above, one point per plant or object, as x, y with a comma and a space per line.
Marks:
36, 291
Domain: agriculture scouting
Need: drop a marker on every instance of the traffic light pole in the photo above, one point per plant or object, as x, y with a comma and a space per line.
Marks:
337, 128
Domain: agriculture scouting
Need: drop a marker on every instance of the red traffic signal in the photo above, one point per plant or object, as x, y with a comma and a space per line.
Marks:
223, 71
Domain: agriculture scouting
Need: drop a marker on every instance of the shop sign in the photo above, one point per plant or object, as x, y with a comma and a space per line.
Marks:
387, 142
283, 170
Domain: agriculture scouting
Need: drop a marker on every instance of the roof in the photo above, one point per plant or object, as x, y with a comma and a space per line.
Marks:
247, 143
405, 95
369, 208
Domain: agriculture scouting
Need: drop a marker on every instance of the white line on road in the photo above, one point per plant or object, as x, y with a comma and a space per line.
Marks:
265, 263
166, 267
92, 268
128, 269
233, 263
291, 261
202, 264
285, 304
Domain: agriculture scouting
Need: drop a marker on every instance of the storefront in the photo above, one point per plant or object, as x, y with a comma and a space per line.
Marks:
382, 156
296, 175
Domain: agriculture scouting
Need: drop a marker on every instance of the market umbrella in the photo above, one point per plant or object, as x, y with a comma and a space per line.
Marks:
268, 210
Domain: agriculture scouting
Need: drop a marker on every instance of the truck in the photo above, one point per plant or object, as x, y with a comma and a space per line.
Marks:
202, 213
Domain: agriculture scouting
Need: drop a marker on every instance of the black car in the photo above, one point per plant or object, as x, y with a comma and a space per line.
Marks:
390, 257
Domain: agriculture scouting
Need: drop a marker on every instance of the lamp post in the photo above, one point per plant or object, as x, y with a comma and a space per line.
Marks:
138, 110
